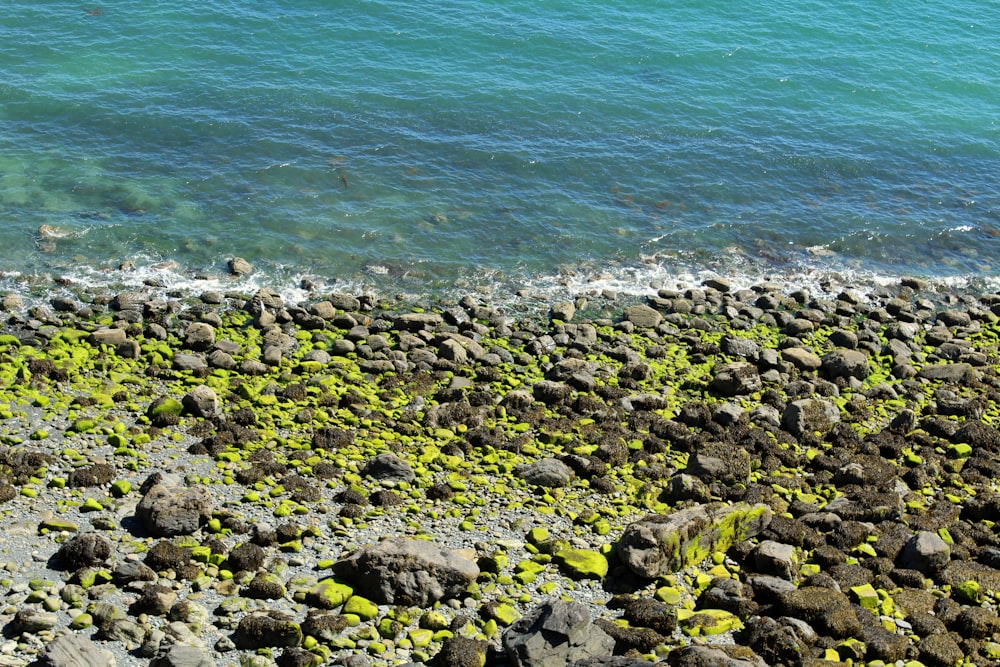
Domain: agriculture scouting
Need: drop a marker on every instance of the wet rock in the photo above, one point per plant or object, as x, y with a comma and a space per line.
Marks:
550, 473
407, 572
555, 633
168, 511
661, 544
113, 337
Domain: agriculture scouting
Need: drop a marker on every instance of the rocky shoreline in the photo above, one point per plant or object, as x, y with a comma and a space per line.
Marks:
710, 477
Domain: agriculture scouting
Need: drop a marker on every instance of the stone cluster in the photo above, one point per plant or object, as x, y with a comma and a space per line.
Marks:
709, 477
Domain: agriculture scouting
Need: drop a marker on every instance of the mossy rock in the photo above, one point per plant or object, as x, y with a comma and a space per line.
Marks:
583, 563
361, 607
328, 594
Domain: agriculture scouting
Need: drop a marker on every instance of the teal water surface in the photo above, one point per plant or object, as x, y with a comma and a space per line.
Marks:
469, 142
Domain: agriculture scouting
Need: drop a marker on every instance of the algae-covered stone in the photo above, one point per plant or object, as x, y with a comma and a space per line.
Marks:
58, 524
361, 607
583, 563
328, 594
660, 544
707, 622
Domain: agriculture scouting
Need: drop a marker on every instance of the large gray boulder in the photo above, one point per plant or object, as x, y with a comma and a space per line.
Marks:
407, 572
166, 511
546, 472
75, 651
926, 552
556, 634
660, 544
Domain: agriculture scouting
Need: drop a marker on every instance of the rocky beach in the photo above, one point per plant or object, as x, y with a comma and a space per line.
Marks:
706, 476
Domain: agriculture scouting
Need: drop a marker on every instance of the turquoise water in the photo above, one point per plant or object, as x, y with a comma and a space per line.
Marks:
429, 145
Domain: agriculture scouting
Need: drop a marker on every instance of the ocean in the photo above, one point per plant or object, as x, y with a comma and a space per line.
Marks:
552, 145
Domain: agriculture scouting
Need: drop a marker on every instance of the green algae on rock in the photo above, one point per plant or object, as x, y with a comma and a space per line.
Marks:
661, 544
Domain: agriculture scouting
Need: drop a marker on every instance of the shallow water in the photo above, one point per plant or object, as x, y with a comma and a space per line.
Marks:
460, 143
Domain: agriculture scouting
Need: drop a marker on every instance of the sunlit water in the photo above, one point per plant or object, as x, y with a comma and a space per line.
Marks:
472, 144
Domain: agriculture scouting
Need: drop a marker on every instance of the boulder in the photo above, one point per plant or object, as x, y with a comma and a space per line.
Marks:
113, 337
846, 364
406, 572
84, 550
554, 634
239, 266
168, 511
265, 630
736, 379
199, 336
777, 559
718, 462
76, 651
661, 544
699, 655
389, 468
642, 316
801, 358
809, 414
926, 552
179, 655
953, 373
202, 401
828, 610
546, 472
